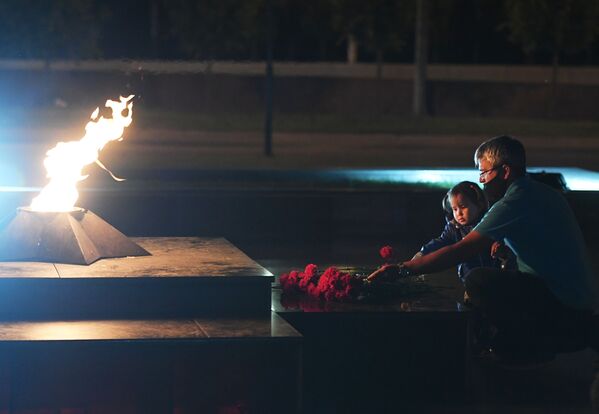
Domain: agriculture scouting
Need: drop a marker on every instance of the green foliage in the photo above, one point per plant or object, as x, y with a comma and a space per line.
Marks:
301, 25
48, 29
212, 29
552, 25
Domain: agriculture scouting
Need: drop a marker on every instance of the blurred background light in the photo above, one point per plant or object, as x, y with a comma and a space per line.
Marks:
10, 175
577, 179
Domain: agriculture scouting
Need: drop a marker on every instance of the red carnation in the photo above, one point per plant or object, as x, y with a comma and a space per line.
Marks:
283, 279
289, 281
294, 277
311, 270
304, 281
335, 285
327, 281
309, 277
386, 252
313, 290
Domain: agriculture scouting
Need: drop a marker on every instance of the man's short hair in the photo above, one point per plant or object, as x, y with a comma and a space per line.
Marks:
502, 150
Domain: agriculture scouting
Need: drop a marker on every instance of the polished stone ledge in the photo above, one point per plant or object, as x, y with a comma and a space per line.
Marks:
435, 296
185, 277
272, 328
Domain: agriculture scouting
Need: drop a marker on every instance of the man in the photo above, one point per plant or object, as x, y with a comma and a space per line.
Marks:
553, 292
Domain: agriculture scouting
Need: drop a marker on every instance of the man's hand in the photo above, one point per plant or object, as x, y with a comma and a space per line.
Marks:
383, 270
499, 251
390, 272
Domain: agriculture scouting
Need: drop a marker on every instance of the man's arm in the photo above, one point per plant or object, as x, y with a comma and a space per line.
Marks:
471, 245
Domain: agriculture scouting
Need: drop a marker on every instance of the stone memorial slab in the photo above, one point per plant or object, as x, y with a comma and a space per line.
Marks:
183, 277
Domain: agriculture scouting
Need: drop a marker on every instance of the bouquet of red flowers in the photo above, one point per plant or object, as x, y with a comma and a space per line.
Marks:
331, 284
336, 285
311, 290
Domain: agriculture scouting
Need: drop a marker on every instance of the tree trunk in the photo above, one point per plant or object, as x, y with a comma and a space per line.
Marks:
154, 27
322, 50
554, 80
420, 58
352, 49
554, 71
269, 80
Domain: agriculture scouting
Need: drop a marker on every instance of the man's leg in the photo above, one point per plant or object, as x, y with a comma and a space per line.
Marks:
519, 305
505, 295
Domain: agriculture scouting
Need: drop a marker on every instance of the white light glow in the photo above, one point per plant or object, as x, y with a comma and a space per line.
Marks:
577, 179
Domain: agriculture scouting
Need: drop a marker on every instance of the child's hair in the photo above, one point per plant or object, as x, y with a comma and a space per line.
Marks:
469, 190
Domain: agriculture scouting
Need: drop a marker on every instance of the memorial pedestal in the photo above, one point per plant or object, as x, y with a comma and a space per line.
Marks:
383, 356
188, 329
183, 277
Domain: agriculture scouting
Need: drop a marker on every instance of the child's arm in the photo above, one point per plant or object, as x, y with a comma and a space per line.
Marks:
447, 237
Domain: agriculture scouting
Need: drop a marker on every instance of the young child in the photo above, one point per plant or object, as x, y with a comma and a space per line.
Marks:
464, 205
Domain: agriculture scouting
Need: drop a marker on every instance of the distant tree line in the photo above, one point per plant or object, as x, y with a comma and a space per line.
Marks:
460, 31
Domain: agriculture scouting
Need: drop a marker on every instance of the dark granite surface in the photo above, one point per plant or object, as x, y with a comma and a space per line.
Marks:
246, 328
263, 328
440, 293
171, 257
100, 330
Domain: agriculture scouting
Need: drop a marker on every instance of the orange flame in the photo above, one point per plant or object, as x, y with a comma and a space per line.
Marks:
64, 163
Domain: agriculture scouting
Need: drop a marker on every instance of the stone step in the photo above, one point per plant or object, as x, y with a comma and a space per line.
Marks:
150, 366
183, 277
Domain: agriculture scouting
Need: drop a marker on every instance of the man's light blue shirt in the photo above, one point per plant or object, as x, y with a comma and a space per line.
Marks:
536, 222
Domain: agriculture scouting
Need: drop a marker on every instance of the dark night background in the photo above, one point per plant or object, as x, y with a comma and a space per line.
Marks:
462, 31
314, 164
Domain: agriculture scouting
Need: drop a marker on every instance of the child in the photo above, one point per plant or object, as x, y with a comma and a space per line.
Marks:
465, 204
